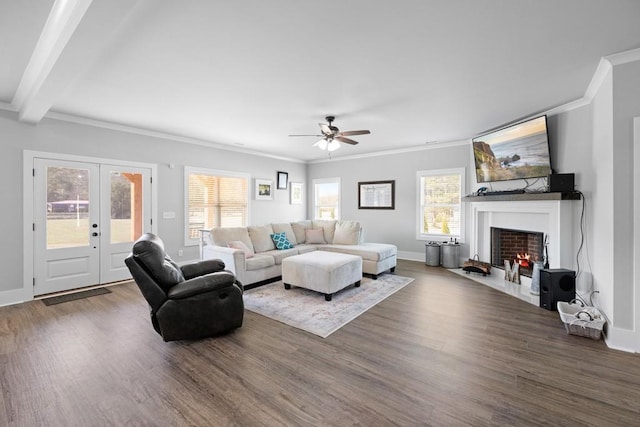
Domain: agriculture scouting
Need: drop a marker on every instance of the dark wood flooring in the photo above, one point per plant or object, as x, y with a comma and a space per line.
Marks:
443, 351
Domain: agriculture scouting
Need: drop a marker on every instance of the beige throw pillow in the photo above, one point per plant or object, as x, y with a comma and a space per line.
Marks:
314, 235
237, 244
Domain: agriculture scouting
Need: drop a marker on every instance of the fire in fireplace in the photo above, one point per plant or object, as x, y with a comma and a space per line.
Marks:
517, 246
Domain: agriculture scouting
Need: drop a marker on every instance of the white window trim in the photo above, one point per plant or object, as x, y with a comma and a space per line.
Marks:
188, 170
439, 237
324, 181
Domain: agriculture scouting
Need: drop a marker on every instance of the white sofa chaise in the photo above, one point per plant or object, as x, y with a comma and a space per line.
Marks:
251, 254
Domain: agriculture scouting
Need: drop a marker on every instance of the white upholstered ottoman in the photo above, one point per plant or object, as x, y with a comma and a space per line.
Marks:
320, 271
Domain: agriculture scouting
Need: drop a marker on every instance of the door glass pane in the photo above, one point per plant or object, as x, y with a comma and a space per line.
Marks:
67, 207
126, 206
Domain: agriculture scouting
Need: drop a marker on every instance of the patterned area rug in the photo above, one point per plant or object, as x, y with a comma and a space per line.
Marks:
307, 310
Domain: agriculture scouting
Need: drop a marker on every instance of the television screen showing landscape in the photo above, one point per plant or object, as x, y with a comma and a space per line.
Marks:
519, 151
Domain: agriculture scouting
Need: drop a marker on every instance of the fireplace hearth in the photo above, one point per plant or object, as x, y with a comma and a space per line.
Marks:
516, 246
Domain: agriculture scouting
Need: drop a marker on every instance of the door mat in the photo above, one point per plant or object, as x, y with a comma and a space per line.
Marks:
77, 295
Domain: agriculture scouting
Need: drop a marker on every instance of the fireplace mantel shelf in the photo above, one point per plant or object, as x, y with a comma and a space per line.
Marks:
522, 197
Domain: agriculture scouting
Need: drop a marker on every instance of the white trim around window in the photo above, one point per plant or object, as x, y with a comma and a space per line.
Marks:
330, 207
447, 213
190, 240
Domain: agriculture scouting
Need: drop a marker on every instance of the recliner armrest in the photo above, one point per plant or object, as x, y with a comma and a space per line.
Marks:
201, 285
201, 268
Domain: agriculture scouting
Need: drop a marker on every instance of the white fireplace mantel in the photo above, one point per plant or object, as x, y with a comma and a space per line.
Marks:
554, 218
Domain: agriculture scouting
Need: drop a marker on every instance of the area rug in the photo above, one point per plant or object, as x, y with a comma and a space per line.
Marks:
308, 310
75, 296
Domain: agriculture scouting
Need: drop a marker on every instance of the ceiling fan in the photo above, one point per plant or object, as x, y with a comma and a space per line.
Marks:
332, 136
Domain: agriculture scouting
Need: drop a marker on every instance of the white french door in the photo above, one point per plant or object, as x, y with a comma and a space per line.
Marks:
86, 217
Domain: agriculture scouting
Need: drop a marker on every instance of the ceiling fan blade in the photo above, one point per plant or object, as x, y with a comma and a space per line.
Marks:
354, 132
326, 130
346, 140
317, 136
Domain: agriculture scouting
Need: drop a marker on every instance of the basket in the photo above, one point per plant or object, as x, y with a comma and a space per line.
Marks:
582, 321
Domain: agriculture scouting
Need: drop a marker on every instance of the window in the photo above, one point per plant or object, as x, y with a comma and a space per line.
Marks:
326, 198
214, 198
439, 203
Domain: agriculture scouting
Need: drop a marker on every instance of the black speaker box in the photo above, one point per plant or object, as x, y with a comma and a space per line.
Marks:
562, 182
556, 284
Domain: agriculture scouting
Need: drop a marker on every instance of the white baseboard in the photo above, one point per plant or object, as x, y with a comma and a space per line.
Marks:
411, 256
14, 296
622, 339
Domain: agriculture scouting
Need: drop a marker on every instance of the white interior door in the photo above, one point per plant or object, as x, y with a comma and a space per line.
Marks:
86, 218
66, 225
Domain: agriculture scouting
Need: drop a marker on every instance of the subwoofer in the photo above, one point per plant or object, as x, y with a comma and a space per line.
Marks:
556, 284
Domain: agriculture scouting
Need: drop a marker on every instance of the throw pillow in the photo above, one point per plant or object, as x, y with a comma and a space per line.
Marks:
314, 235
237, 244
281, 241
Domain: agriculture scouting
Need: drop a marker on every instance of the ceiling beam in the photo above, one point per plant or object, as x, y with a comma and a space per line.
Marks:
73, 36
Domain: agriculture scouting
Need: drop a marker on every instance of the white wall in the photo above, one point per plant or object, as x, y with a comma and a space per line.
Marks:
63, 137
397, 226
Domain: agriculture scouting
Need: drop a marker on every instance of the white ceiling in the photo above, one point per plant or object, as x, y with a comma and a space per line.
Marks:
247, 73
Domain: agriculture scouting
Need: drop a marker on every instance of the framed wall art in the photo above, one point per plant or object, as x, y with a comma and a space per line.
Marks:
264, 189
283, 180
296, 195
376, 195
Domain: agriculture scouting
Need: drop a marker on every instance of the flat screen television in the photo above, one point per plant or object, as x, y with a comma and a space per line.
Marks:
517, 151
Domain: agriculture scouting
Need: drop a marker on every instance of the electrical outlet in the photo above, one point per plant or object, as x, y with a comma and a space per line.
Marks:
180, 253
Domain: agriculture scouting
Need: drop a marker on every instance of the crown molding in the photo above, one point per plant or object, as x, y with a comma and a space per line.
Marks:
163, 135
427, 146
624, 57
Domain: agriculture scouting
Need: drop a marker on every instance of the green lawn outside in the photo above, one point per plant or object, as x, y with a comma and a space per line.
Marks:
71, 232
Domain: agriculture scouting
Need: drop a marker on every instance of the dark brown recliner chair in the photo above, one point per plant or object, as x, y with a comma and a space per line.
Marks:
194, 301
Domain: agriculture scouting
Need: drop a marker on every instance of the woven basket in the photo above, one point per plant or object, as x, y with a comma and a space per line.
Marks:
582, 321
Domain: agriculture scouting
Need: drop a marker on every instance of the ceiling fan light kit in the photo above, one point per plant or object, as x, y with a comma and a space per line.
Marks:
332, 137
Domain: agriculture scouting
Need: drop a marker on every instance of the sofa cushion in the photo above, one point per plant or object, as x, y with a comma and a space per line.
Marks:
298, 229
259, 261
240, 245
279, 255
369, 251
329, 227
261, 238
287, 229
222, 236
314, 236
304, 248
347, 233
281, 241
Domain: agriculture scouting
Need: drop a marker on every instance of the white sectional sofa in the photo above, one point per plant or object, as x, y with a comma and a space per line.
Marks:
251, 254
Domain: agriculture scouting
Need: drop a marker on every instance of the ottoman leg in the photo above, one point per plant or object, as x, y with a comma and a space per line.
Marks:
374, 276
393, 269
357, 284
287, 286
327, 297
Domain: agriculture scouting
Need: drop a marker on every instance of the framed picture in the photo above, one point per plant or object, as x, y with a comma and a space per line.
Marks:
376, 195
296, 193
264, 189
283, 179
